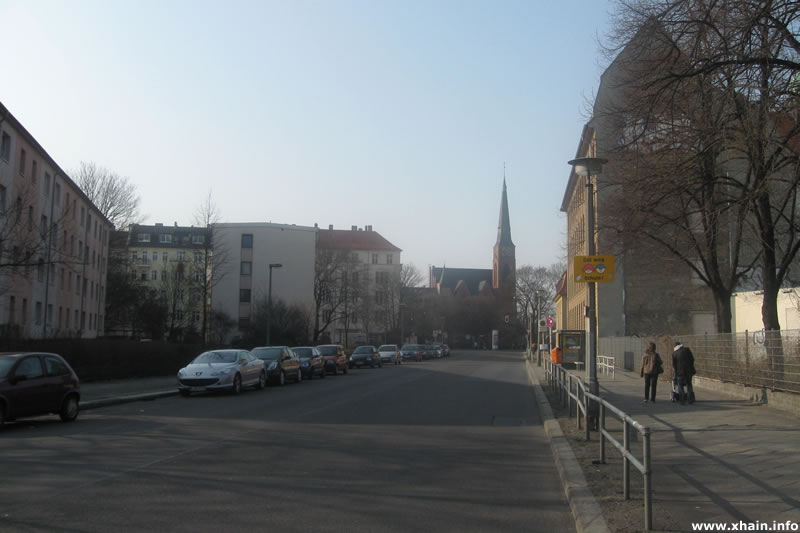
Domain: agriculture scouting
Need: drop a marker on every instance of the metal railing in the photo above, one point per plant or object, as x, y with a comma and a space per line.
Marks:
607, 365
571, 388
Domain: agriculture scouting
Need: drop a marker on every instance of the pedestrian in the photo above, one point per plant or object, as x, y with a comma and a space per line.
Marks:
652, 366
683, 370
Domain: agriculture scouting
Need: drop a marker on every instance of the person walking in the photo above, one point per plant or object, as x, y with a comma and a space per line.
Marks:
683, 370
652, 366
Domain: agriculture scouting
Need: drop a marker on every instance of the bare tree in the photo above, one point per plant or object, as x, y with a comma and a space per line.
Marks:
329, 266
114, 195
215, 256
711, 118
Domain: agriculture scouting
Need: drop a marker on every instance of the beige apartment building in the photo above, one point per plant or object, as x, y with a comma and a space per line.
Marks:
53, 244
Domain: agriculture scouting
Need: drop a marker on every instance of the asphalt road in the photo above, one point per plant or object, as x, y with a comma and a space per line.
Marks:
454, 444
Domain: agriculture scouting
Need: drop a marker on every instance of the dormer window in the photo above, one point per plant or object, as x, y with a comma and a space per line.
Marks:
165, 238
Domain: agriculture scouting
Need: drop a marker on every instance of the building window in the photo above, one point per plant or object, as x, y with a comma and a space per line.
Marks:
198, 257
165, 238
12, 309
388, 259
155, 257
382, 278
5, 146
197, 276
247, 240
46, 181
154, 275
49, 314
198, 239
181, 256
374, 259
164, 256
2, 199
143, 276
180, 295
83, 216
244, 295
22, 163
57, 191
134, 257
163, 275
37, 314
246, 268
195, 316
24, 311
143, 237
144, 258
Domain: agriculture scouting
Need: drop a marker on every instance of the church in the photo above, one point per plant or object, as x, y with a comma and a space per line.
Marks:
489, 289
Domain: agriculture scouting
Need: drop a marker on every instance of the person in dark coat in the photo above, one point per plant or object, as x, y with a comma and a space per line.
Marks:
651, 368
683, 368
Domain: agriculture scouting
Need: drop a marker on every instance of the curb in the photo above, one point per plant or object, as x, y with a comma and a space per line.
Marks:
105, 402
585, 510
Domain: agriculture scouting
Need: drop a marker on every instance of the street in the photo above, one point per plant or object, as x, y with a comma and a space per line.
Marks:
444, 445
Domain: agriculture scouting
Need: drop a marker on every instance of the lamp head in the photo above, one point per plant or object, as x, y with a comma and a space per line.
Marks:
586, 166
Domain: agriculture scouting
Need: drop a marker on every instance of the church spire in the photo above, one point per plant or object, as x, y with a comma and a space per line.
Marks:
504, 224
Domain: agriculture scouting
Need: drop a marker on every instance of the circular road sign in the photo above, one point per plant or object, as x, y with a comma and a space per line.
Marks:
550, 322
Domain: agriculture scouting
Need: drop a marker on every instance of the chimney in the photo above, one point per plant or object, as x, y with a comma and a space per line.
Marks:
353, 228
176, 224
316, 226
368, 228
158, 224
330, 226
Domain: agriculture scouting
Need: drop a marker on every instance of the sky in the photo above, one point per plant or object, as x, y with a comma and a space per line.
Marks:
404, 115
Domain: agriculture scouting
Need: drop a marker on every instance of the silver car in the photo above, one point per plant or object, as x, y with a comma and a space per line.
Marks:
390, 353
228, 370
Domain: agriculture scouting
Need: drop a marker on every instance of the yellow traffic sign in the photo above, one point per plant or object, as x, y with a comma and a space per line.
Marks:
593, 268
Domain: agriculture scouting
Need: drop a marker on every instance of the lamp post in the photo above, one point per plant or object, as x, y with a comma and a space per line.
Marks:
538, 318
269, 298
588, 166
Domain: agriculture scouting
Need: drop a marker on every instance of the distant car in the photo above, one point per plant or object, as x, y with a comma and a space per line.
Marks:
311, 361
429, 351
282, 363
438, 351
365, 356
33, 384
390, 354
412, 352
227, 370
445, 350
335, 358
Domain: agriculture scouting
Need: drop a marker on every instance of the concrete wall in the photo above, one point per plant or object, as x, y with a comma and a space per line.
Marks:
292, 246
746, 308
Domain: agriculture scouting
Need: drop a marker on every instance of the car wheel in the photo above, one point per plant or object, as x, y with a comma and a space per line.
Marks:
69, 409
185, 393
262, 381
237, 384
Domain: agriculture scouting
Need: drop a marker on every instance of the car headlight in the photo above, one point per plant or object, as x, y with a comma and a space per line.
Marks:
273, 365
180, 373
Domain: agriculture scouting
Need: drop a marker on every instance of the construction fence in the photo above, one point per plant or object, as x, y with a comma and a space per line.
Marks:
761, 358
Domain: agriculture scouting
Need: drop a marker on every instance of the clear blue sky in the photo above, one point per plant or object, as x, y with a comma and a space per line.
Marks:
398, 114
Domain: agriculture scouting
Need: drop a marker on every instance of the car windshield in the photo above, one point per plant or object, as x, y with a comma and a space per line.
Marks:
388, 348
267, 354
303, 352
410, 347
363, 349
216, 357
5, 366
327, 350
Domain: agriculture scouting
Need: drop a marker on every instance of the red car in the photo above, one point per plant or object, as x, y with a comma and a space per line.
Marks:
335, 358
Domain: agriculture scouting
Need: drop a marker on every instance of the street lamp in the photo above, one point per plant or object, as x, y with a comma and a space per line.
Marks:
538, 318
589, 166
269, 298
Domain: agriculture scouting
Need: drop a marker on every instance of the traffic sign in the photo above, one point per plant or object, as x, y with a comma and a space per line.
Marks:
550, 322
593, 268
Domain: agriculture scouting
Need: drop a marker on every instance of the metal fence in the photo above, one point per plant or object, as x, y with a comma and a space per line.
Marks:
572, 390
768, 359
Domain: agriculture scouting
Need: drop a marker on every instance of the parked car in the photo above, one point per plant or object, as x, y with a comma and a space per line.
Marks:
311, 361
445, 350
390, 353
438, 351
365, 356
412, 352
33, 384
428, 351
282, 363
335, 358
227, 370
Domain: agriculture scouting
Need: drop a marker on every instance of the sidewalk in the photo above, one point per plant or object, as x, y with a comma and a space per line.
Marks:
103, 393
718, 460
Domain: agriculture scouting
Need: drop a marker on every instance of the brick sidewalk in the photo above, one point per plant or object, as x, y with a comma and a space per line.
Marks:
718, 460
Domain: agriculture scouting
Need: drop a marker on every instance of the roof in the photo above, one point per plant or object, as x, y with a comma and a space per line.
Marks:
448, 278
504, 223
337, 239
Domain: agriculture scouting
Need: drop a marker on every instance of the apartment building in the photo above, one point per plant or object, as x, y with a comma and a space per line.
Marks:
53, 244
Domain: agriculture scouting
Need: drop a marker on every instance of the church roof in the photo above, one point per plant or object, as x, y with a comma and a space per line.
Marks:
504, 224
448, 278
335, 239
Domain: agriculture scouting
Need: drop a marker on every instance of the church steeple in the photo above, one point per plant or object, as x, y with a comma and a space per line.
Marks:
504, 224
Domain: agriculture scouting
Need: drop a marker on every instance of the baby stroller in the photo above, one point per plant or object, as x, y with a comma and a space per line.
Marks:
674, 396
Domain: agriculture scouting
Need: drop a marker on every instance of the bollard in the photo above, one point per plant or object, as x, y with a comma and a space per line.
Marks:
626, 464
648, 493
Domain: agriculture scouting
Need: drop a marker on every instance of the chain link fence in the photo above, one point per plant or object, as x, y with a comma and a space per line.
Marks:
768, 359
